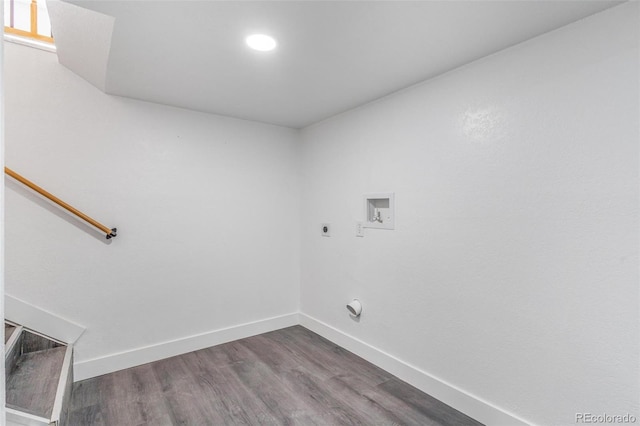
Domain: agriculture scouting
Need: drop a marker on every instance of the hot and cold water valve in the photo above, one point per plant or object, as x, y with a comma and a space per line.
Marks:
379, 211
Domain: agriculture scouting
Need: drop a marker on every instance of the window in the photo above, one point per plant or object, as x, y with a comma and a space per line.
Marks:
27, 18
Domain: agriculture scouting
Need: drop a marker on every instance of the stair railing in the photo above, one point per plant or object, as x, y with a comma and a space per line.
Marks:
110, 232
32, 32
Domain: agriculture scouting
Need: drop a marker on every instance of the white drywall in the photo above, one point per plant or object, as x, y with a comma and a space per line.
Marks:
511, 275
207, 211
35, 318
471, 405
512, 272
2, 372
119, 361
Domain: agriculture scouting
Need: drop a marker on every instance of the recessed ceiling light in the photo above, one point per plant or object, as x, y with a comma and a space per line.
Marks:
261, 42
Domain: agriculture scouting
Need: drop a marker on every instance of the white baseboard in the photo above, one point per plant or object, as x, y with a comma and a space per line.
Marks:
119, 361
462, 401
40, 320
468, 404
19, 418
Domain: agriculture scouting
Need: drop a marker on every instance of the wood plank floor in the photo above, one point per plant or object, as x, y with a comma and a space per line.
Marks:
287, 377
32, 384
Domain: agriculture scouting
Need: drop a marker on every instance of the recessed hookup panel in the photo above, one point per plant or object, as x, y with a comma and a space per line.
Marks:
379, 210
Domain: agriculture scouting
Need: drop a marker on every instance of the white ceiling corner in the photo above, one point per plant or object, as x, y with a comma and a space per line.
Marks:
332, 55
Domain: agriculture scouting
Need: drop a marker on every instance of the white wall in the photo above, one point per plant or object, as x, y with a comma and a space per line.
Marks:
512, 273
2, 372
207, 211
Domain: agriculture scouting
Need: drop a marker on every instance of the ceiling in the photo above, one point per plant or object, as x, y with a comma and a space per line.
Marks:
331, 56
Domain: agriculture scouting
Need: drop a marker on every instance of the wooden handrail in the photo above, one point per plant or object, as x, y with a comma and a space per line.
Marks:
110, 232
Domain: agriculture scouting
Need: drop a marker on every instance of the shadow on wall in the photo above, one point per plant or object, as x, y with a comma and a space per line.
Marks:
43, 202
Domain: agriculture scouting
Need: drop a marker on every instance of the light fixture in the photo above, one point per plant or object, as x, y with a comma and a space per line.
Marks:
261, 42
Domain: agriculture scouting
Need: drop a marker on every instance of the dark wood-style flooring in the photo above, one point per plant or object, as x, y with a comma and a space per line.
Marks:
32, 384
287, 377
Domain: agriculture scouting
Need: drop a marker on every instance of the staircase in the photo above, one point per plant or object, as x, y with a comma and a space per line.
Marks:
39, 377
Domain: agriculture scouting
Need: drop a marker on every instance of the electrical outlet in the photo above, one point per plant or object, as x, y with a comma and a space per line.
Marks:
325, 230
359, 229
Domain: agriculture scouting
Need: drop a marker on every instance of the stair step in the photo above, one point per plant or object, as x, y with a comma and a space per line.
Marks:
39, 378
32, 342
32, 384
12, 349
8, 330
